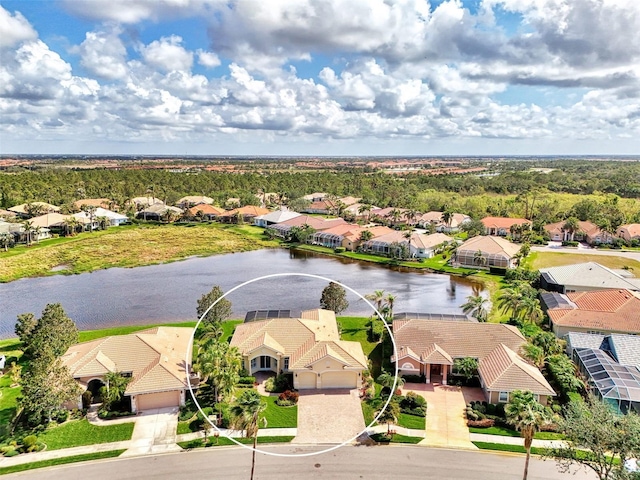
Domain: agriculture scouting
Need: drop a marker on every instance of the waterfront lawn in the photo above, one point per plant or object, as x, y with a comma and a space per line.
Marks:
411, 421
279, 417
76, 433
60, 461
8, 395
538, 260
143, 244
354, 329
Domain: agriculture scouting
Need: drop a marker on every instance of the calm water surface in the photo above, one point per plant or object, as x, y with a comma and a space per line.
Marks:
169, 292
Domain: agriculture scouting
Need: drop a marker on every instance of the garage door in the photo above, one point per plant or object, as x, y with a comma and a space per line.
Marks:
339, 380
306, 380
150, 401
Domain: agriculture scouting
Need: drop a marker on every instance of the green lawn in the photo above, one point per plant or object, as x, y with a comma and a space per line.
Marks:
60, 461
507, 432
508, 448
280, 417
368, 413
80, 432
412, 421
355, 329
396, 438
8, 395
222, 441
538, 260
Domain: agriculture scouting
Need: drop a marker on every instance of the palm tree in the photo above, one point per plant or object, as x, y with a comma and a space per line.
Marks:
447, 217
28, 229
103, 222
387, 380
365, 236
476, 306
5, 240
377, 297
571, 224
395, 215
246, 416
530, 310
534, 354
510, 300
390, 301
365, 208
71, 224
527, 416
479, 258
91, 213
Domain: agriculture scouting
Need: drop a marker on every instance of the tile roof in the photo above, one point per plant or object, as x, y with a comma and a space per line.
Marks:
588, 274
197, 199
22, 207
206, 209
457, 339
100, 212
278, 216
304, 340
504, 371
490, 245
317, 223
577, 340
50, 219
503, 222
631, 230
155, 358
420, 240
249, 210
93, 202
604, 310
626, 349
588, 228
434, 354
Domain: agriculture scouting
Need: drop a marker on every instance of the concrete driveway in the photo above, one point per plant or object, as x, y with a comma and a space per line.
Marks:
154, 432
446, 424
329, 416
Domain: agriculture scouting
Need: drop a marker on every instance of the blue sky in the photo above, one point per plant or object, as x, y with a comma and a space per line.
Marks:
320, 77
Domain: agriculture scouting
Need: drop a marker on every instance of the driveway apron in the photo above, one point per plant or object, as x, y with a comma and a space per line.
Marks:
330, 416
446, 424
155, 432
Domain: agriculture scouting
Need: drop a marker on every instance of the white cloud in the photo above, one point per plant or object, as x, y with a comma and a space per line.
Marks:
208, 59
14, 29
103, 54
167, 54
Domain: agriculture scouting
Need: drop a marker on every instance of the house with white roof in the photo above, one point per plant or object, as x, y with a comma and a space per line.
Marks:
115, 219
272, 218
584, 277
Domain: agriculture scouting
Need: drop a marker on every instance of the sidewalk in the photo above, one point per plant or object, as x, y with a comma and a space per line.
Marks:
263, 432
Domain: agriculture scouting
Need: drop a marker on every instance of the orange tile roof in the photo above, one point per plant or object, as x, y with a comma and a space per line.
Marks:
206, 209
93, 202
503, 222
588, 228
249, 210
603, 310
317, 223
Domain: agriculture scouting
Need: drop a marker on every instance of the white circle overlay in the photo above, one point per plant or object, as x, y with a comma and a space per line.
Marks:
188, 360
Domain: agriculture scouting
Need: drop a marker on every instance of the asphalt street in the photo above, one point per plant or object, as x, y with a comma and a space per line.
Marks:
377, 463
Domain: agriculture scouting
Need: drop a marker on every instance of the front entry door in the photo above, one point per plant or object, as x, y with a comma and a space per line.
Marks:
436, 369
265, 362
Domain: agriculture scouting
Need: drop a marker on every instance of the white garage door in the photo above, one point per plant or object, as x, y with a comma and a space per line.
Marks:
306, 380
149, 401
339, 380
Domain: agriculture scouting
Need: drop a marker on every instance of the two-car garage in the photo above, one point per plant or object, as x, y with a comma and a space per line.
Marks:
150, 401
311, 380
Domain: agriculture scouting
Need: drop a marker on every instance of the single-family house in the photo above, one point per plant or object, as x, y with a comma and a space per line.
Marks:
584, 277
191, 200
430, 347
246, 213
114, 219
143, 202
317, 223
417, 245
437, 220
159, 212
272, 218
309, 348
315, 196
32, 209
628, 232
486, 252
601, 311
208, 212
154, 359
94, 202
390, 215
502, 226
586, 231
7, 215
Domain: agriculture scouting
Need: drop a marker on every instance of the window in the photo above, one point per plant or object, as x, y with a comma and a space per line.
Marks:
254, 362
503, 397
286, 363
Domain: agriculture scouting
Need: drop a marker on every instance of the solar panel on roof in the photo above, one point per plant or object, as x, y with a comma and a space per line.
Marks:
256, 315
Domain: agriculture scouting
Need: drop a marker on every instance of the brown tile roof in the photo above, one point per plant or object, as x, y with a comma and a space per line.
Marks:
503, 222
588, 228
206, 209
317, 223
603, 310
155, 358
50, 219
457, 339
631, 229
504, 371
195, 199
434, 354
420, 240
490, 245
22, 207
302, 339
93, 202
248, 211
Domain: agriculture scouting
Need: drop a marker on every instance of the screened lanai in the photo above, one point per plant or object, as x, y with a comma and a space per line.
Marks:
482, 259
616, 384
330, 240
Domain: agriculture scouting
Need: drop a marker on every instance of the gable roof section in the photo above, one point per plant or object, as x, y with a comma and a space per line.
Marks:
278, 216
22, 208
490, 245
626, 349
605, 310
140, 353
503, 222
206, 209
504, 371
631, 229
249, 211
317, 223
435, 354
588, 274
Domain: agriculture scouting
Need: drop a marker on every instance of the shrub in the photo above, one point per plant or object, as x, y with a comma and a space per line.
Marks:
61, 416
11, 453
284, 403
413, 379
87, 396
484, 423
247, 380
277, 384
569, 243
289, 396
562, 371
340, 250
29, 441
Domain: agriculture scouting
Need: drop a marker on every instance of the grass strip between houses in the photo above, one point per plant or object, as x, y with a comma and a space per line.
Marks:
503, 447
60, 461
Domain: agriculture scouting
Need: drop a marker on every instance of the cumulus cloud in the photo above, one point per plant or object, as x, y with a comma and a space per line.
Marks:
167, 54
14, 29
103, 54
208, 59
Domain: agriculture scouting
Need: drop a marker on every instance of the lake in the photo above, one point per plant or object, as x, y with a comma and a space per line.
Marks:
169, 292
